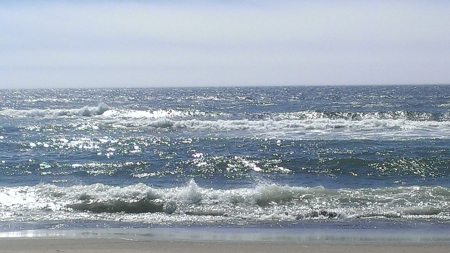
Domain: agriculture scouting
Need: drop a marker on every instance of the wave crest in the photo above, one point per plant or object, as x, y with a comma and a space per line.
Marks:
85, 111
263, 203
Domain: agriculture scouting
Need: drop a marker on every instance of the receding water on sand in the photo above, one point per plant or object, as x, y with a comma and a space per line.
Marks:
316, 231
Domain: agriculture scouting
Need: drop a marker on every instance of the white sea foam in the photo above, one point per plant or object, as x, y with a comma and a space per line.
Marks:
301, 125
192, 203
288, 125
85, 111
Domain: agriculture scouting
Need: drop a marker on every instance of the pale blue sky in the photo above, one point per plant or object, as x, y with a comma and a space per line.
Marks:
223, 43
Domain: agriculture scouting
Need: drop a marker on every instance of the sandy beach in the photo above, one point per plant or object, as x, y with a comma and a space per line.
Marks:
122, 245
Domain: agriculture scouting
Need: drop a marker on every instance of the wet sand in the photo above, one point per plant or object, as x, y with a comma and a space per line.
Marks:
122, 245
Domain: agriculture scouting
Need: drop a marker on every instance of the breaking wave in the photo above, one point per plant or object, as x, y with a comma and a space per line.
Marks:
358, 116
293, 125
263, 203
309, 124
85, 111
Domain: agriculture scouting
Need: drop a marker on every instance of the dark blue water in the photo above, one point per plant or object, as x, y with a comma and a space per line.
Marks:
235, 156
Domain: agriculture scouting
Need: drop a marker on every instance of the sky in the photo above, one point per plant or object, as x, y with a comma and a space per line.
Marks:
91, 44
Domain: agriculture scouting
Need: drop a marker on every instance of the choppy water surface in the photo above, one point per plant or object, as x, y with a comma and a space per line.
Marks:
224, 156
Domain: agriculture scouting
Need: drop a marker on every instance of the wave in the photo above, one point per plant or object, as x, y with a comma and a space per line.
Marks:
263, 203
115, 206
85, 112
316, 128
307, 124
122, 113
290, 122
358, 116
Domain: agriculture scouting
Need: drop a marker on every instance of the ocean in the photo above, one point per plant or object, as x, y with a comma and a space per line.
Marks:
256, 163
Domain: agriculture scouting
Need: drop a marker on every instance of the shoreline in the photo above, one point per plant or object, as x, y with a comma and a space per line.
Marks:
341, 239
122, 245
298, 234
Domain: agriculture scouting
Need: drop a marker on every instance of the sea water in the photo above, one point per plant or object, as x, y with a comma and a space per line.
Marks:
295, 162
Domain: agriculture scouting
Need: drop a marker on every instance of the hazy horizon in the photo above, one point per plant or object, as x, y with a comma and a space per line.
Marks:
138, 44
218, 86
